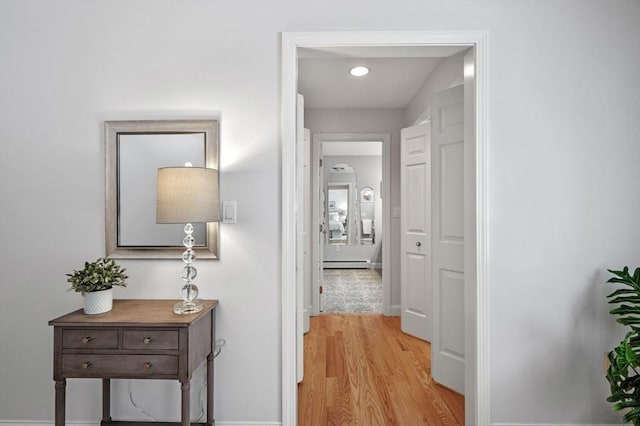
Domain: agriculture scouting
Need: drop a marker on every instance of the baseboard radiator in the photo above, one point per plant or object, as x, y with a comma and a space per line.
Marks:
351, 264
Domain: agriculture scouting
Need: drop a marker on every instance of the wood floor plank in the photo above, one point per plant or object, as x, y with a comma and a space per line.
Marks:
454, 401
312, 395
407, 408
367, 404
344, 398
433, 407
362, 370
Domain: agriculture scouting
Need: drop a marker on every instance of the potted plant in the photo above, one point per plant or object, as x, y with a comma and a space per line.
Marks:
95, 282
623, 373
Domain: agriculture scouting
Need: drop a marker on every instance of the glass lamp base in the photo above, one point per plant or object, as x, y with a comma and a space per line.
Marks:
188, 307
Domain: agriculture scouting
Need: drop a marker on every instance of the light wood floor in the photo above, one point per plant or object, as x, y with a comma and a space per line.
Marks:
362, 370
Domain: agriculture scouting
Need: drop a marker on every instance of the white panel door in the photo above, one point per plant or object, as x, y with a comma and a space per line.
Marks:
447, 153
299, 214
322, 235
317, 226
415, 224
306, 231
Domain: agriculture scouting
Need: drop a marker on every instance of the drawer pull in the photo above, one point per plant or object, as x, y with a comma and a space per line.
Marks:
86, 365
147, 340
87, 339
147, 365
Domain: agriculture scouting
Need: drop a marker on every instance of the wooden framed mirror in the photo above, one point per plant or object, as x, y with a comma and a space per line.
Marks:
134, 150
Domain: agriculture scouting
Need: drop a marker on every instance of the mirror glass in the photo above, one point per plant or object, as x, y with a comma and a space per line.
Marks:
342, 205
367, 215
139, 158
135, 151
338, 212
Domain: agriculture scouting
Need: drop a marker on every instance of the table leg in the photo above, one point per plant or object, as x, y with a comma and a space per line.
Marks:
106, 400
210, 421
186, 399
60, 401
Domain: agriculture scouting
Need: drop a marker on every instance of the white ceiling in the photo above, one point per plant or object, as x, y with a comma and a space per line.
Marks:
396, 74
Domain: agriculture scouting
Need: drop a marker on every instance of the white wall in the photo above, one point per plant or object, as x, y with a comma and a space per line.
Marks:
564, 139
448, 73
65, 68
380, 120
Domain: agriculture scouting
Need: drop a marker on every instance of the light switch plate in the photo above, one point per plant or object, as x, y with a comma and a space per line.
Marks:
228, 212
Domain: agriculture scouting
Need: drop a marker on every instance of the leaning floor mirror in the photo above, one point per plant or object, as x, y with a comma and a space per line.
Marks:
135, 150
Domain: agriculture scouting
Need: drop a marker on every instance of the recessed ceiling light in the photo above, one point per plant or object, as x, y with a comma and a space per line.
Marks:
359, 71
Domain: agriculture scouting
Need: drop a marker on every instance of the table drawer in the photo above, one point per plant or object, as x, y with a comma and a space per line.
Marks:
150, 339
90, 338
89, 365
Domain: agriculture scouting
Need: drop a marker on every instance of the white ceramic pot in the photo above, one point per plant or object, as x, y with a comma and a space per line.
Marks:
98, 302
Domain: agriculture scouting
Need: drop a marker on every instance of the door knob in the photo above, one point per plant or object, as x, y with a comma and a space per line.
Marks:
418, 244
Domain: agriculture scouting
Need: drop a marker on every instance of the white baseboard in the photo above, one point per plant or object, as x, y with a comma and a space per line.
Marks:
555, 424
395, 310
222, 423
42, 423
51, 423
355, 264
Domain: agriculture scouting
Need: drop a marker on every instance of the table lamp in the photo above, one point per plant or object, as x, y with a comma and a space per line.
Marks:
187, 195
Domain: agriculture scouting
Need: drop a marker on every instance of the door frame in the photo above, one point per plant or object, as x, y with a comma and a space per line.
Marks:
477, 400
385, 138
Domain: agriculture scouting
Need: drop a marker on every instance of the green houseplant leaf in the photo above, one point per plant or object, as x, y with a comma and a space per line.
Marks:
102, 274
624, 359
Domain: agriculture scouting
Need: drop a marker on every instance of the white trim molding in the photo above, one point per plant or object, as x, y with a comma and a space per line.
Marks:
395, 310
97, 423
477, 327
556, 424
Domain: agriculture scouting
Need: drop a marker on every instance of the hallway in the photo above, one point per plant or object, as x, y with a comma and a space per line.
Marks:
362, 370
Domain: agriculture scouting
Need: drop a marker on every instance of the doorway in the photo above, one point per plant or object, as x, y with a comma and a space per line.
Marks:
353, 251
352, 260
476, 369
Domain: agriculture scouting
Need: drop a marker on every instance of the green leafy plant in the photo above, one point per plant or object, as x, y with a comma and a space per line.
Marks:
102, 274
624, 359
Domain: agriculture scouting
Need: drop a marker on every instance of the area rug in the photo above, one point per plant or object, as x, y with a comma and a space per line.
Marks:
351, 291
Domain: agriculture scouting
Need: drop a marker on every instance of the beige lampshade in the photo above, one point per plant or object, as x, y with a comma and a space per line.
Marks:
187, 195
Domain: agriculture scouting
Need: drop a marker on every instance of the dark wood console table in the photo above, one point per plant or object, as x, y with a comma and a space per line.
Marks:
138, 339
